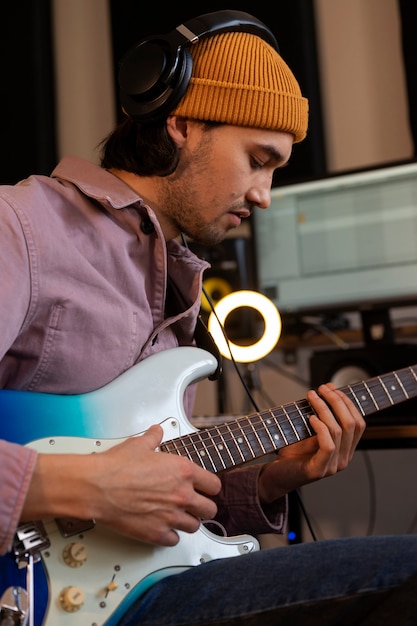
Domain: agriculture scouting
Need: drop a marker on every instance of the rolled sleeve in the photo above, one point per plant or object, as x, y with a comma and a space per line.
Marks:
16, 468
239, 508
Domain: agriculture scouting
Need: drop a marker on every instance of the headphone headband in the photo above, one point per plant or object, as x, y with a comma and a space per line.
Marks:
155, 73
226, 21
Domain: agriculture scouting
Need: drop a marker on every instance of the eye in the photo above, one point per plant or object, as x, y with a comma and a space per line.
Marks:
256, 163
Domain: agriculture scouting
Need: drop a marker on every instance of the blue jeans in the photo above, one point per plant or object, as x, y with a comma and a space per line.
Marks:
349, 581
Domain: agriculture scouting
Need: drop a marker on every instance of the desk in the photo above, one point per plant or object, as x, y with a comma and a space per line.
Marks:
291, 342
385, 437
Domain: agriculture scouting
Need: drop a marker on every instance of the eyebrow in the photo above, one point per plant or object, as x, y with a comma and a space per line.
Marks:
274, 154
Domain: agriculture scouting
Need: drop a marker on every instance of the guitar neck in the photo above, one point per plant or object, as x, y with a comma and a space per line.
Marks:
251, 437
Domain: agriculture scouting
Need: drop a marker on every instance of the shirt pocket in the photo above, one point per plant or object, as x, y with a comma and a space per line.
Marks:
83, 350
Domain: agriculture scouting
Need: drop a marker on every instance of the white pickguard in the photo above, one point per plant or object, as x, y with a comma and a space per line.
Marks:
118, 570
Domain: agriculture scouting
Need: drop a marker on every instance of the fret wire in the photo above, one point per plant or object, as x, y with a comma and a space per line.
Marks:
273, 433
246, 438
247, 429
276, 423
189, 451
359, 401
370, 395
413, 372
255, 431
292, 425
269, 422
401, 385
228, 443
247, 442
394, 392
279, 435
402, 376
306, 423
209, 448
238, 444
284, 414
223, 442
384, 387
303, 410
409, 378
244, 441
209, 431
238, 448
192, 451
173, 443
287, 432
270, 427
263, 426
222, 447
284, 438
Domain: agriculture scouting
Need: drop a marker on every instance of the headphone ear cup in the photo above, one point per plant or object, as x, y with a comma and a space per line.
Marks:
153, 77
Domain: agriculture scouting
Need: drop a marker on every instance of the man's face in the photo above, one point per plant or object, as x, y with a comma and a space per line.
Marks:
223, 173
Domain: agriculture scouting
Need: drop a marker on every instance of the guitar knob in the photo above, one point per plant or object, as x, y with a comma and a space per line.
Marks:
71, 599
75, 554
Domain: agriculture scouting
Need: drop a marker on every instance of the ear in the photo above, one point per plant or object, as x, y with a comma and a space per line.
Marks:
177, 128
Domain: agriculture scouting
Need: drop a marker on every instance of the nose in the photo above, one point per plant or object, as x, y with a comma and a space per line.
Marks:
260, 195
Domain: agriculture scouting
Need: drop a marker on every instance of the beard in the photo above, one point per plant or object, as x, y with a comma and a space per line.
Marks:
182, 203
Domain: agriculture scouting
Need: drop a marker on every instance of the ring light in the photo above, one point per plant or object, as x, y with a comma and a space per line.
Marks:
271, 318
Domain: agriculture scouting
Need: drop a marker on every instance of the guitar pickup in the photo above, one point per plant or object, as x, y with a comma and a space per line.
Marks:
29, 541
70, 526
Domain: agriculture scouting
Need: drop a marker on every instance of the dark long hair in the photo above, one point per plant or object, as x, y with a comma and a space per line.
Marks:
143, 149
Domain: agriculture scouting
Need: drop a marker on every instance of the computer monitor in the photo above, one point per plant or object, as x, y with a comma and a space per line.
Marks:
340, 243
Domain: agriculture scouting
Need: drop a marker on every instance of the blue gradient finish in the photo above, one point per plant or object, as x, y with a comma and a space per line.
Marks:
29, 416
150, 392
147, 393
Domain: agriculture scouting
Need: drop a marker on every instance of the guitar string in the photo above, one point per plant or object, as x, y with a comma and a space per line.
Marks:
253, 436
296, 492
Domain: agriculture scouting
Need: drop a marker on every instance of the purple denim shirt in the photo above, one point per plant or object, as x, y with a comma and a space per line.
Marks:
82, 299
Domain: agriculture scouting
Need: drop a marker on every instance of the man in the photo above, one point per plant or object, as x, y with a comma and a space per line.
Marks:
95, 280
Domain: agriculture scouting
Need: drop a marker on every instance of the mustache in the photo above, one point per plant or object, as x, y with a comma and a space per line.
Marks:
238, 207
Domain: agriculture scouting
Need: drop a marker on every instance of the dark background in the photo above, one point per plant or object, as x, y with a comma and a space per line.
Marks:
27, 103
27, 86
292, 24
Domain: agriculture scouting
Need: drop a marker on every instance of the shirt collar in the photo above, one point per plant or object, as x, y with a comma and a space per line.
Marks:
96, 182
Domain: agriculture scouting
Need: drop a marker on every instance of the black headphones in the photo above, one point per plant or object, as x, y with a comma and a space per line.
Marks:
154, 74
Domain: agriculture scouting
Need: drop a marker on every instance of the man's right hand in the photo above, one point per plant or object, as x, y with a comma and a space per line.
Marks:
132, 488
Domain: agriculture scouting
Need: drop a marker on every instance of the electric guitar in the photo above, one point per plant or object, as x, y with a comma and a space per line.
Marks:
67, 571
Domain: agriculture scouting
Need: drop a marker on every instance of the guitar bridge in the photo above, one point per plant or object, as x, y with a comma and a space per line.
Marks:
14, 607
29, 541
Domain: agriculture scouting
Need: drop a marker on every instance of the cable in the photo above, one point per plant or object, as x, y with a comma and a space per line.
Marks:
245, 385
235, 365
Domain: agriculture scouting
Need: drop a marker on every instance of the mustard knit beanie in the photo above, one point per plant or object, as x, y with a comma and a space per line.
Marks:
239, 79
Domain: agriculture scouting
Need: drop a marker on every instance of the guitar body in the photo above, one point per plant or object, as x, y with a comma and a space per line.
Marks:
115, 571
87, 574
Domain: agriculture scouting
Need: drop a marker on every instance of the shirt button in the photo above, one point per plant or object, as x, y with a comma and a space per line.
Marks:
146, 226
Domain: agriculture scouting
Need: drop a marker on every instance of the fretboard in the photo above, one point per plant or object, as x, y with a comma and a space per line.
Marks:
247, 438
